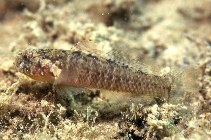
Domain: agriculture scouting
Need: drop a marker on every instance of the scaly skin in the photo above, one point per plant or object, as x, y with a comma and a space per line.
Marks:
82, 69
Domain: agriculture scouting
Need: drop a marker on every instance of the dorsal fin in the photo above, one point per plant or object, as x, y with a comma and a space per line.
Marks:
91, 47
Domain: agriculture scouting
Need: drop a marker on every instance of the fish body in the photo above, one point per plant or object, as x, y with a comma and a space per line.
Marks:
81, 69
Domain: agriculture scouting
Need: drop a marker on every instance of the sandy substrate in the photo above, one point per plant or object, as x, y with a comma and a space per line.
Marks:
161, 35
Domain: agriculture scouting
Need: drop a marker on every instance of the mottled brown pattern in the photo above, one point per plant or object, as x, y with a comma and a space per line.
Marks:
82, 69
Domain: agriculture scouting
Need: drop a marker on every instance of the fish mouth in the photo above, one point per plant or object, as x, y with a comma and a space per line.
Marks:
23, 61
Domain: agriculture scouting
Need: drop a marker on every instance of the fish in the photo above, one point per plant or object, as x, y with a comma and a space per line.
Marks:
82, 69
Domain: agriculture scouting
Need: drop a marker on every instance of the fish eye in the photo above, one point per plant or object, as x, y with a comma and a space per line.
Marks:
24, 57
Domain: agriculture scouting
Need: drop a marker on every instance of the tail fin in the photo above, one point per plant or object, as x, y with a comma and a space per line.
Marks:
185, 86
